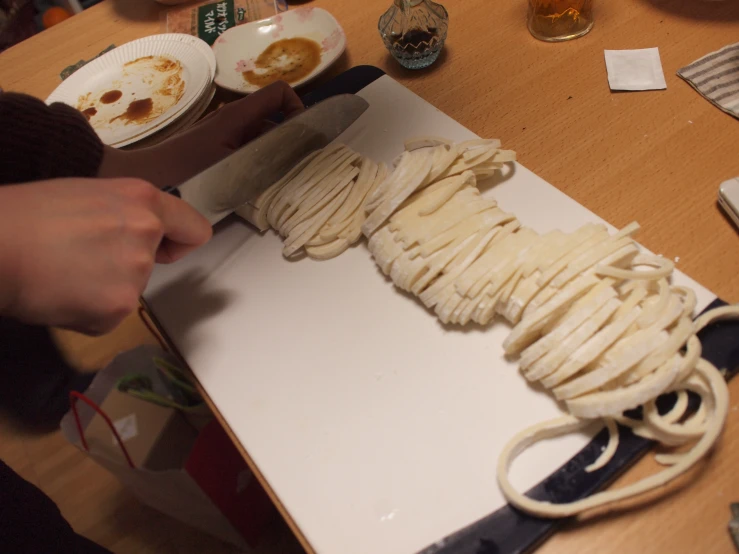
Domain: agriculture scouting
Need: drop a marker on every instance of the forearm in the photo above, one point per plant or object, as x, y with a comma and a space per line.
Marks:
167, 164
205, 143
9, 249
44, 142
161, 167
8, 281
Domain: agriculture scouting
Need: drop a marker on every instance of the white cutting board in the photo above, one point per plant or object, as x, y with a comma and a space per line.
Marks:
376, 427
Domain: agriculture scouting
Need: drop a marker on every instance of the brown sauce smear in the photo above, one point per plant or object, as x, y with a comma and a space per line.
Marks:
158, 63
171, 88
137, 111
137, 60
288, 60
89, 112
164, 65
174, 86
111, 96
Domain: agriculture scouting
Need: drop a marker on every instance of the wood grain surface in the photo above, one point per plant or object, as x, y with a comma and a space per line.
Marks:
656, 157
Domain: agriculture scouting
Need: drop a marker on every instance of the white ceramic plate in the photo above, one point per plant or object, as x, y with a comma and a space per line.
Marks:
238, 49
169, 71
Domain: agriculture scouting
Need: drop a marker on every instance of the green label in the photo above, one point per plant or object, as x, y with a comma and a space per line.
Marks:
215, 18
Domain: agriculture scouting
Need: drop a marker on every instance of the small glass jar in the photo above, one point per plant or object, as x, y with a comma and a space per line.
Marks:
414, 32
559, 20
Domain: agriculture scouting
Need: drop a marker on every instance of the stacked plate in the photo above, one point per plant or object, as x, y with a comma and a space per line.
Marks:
149, 89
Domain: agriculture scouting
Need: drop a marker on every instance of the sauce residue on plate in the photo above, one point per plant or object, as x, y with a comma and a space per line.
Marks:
137, 111
162, 64
290, 60
89, 112
159, 79
174, 86
111, 96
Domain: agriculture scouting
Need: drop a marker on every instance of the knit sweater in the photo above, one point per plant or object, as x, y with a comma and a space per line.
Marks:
44, 142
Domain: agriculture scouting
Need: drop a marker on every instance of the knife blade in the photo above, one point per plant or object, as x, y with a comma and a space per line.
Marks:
249, 171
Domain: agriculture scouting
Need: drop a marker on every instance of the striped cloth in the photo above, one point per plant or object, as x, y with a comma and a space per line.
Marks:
716, 77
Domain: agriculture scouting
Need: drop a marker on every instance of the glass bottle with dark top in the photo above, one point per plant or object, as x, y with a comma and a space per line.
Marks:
414, 31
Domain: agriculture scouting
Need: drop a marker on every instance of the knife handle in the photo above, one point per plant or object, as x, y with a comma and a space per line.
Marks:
174, 191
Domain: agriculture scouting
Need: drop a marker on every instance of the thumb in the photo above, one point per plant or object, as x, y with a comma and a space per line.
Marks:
184, 229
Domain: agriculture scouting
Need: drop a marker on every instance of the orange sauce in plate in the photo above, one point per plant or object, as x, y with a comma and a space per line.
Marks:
137, 111
111, 96
290, 60
89, 112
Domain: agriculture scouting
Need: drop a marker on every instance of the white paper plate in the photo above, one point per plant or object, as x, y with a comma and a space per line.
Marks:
195, 42
238, 49
183, 118
182, 123
165, 123
138, 71
175, 120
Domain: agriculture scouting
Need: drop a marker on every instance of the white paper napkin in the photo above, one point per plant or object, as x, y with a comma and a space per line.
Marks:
635, 69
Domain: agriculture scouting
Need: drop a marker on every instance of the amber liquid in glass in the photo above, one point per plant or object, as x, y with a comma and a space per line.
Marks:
557, 20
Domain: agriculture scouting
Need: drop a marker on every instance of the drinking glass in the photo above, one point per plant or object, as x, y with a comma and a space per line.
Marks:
558, 20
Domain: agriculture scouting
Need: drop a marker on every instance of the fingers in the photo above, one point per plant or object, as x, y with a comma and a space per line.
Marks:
248, 113
91, 250
157, 217
170, 251
184, 229
281, 94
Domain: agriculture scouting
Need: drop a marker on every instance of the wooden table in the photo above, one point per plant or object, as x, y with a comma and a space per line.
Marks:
655, 157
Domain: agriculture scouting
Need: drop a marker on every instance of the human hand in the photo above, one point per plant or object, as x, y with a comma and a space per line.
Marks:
210, 140
79, 252
237, 123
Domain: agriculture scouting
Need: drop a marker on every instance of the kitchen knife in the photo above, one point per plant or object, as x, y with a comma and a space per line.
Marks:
245, 174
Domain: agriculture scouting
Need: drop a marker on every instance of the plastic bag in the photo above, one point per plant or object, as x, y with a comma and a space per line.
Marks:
207, 20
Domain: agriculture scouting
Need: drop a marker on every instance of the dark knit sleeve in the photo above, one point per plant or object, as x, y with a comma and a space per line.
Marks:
44, 142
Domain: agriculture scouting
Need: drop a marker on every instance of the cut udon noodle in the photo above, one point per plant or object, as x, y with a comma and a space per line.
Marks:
595, 321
